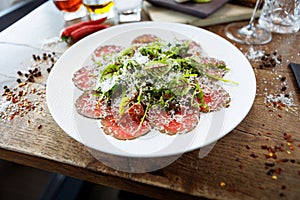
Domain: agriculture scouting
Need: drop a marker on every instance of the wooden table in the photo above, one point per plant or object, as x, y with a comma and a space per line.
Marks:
259, 159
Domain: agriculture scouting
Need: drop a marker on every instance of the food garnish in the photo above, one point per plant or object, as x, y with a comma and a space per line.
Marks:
75, 32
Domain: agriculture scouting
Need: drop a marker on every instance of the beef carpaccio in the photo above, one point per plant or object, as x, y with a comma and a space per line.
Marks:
150, 85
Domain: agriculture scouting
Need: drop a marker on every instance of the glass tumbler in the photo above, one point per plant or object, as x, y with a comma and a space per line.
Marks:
281, 16
98, 8
128, 10
71, 9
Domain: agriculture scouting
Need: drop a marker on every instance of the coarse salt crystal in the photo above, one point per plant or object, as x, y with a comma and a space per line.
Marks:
280, 98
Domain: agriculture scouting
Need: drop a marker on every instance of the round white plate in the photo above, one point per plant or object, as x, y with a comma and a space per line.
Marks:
61, 92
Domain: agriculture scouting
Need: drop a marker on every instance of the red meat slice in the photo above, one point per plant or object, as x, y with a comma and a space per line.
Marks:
215, 99
85, 78
128, 125
124, 131
107, 52
214, 67
89, 106
182, 121
196, 49
216, 72
145, 39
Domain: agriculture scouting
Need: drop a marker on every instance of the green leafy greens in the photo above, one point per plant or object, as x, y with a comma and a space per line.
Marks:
160, 73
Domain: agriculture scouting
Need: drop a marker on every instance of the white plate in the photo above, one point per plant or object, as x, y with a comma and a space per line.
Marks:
61, 93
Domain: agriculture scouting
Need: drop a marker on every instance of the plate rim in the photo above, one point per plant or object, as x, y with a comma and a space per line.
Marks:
137, 26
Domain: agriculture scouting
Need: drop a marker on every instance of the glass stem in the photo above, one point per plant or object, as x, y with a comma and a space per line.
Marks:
251, 22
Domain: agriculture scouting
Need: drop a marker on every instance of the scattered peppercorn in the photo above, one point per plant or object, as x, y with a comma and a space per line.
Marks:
50, 68
270, 60
281, 194
283, 88
19, 73
6, 89
270, 172
270, 164
18, 103
253, 155
264, 146
283, 79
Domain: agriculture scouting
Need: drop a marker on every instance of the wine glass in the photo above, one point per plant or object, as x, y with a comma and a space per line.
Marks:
250, 34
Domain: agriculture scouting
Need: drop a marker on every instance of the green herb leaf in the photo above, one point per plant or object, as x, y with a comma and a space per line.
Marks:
124, 102
128, 52
180, 86
222, 79
158, 68
109, 71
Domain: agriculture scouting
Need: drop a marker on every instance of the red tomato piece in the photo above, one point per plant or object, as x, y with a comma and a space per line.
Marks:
173, 127
207, 101
136, 112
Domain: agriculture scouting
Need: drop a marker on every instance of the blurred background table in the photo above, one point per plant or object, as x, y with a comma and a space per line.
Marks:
259, 159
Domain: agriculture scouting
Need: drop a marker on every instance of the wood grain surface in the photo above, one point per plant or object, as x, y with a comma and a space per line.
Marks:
259, 159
